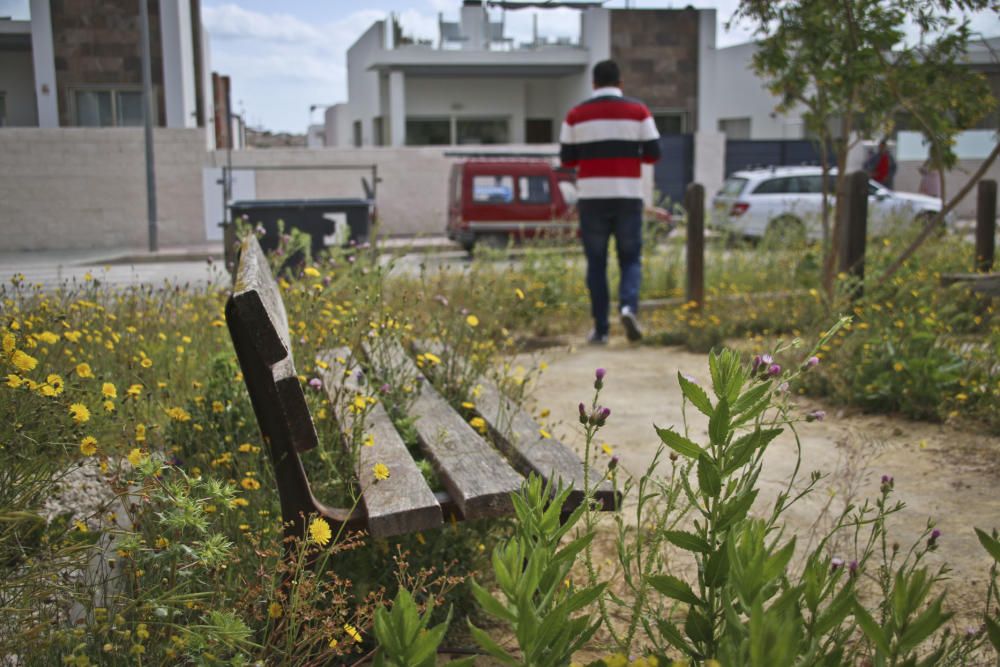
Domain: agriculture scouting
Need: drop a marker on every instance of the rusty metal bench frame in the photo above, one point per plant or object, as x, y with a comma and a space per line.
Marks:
477, 478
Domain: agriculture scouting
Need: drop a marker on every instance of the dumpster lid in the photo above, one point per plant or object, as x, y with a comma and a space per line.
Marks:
301, 203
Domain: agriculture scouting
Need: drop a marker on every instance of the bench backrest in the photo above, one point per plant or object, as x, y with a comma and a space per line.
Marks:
255, 314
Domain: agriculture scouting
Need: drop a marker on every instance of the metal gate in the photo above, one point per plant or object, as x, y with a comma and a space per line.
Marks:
754, 153
675, 170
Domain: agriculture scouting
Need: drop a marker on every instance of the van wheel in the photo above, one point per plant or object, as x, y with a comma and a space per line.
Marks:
784, 231
495, 240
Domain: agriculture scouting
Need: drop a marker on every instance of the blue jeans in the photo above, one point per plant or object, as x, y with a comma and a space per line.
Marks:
599, 220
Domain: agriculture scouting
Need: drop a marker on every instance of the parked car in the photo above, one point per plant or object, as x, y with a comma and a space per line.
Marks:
789, 200
491, 200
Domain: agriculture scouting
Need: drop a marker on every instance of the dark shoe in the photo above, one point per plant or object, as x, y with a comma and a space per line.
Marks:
631, 324
593, 338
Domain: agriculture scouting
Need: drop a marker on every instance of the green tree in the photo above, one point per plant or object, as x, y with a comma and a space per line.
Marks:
852, 69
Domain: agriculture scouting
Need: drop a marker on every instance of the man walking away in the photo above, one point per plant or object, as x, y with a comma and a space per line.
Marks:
606, 139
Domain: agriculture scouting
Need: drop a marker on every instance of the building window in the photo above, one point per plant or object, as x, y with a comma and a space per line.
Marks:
108, 108
670, 122
428, 132
378, 138
481, 131
538, 130
357, 134
735, 128
533, 190
3, 109
493, 189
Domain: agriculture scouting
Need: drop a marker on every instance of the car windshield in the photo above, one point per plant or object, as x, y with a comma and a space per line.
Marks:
732, 187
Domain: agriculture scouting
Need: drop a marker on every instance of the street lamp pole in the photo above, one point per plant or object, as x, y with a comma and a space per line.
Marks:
147, 114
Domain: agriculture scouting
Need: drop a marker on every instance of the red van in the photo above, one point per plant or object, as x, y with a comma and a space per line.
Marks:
490, 200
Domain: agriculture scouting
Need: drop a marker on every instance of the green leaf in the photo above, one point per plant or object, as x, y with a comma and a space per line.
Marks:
490, 646
750, 397
709, 479
698, 627
991, 545
491, 605
717, 568
735, 510
695, 394
923, 626
775, 566
993, 632
678, 442
871, 629
743, 449
673, 636
687, 541
834, 613
718, 423
674, 588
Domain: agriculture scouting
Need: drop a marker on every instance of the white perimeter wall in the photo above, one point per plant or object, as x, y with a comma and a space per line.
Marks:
17, 81
86, 188
731, 89
363, 86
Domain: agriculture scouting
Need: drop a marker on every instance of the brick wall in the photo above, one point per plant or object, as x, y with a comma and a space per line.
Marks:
657, 51
97, 42
86, 188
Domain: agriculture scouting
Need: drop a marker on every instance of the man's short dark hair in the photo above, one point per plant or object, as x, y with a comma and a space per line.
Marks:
606, 73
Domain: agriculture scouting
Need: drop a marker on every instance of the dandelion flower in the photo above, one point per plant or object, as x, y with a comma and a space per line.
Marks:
23, 362
519, 293
606, 448
249, 483
84, 371
140, 433
433, 358
8, 344
381, 471
478, 423
88, 446
109, 406
311, 272
136, 457
352, 632
275, 610
319, 531
146, 362
545, 434
369, 440
80, 413
14, 381
108, 390
472, 321
134, 390
179, 414
48, 337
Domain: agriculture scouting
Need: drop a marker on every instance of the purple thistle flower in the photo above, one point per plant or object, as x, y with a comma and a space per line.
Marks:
932, 540
888, 483
757, 361
816, 416
613, 463
766, 360
774, 370
316, 383
783, 387
583, 414
599, 375
853, 567
812, 361
385, 388
836, 564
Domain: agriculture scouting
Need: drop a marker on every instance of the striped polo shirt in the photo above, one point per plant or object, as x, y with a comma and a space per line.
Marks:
607, 138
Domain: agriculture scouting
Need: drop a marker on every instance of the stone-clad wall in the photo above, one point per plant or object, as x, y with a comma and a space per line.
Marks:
658, 55
86, 188
97, 42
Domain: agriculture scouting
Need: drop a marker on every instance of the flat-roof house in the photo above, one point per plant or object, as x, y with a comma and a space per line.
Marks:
477, 85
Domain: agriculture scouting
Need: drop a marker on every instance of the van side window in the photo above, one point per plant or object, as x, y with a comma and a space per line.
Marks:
493, 189
533, 190
774, 186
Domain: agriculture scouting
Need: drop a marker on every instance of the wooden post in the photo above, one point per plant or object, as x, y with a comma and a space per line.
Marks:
694, 204
855, 231
986, 225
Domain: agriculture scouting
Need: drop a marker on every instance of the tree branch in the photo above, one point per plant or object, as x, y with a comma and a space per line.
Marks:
936, 220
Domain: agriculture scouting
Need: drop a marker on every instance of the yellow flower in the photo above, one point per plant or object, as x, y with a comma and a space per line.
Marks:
23, 362
217, 407
80, 413
433, 358
72, 336
381, 471
544, 413
472, 321
140, 433
48, 337
319, 531
352, 632
161, 543
84, 371
178, 414
478, 423
468, 406
369, 440
134, 390
519, 293
961, 397
898, 367
8, 344
545, 434
275, 610
136, 457
311, 272
88, 446
14, 381
245, 447
146, 362
109, 406
249, 483
606, 448
109, 390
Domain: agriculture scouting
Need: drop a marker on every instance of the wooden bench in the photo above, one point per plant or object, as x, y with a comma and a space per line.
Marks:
987, 284
477, 478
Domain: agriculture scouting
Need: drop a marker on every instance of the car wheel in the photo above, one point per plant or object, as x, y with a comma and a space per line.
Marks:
784, 231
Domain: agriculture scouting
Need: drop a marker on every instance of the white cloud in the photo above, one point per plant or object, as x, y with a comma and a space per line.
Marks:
234, 22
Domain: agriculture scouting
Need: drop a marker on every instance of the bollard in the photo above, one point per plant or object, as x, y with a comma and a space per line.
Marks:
694, 204
986, 225
854, 232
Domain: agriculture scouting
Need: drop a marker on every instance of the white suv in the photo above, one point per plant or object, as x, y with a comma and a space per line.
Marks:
789, 199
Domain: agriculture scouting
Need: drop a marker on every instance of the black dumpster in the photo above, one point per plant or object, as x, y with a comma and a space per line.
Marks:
317, 217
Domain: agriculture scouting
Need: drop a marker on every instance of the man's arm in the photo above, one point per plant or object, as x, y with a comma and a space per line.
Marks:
650, 139
569, 152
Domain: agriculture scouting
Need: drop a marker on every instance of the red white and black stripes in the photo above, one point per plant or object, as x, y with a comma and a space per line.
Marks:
607, 138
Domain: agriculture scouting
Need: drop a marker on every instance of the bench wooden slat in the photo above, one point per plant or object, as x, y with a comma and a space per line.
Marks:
983, 283
520, 436
403, 503
478, 479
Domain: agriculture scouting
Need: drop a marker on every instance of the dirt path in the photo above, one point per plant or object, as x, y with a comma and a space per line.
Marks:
941, 473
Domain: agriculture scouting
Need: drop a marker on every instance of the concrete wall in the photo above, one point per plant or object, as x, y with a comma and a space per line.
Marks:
364, 90
86, 188
17, 82
709, 162
469, 98
730, 89
908, 180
